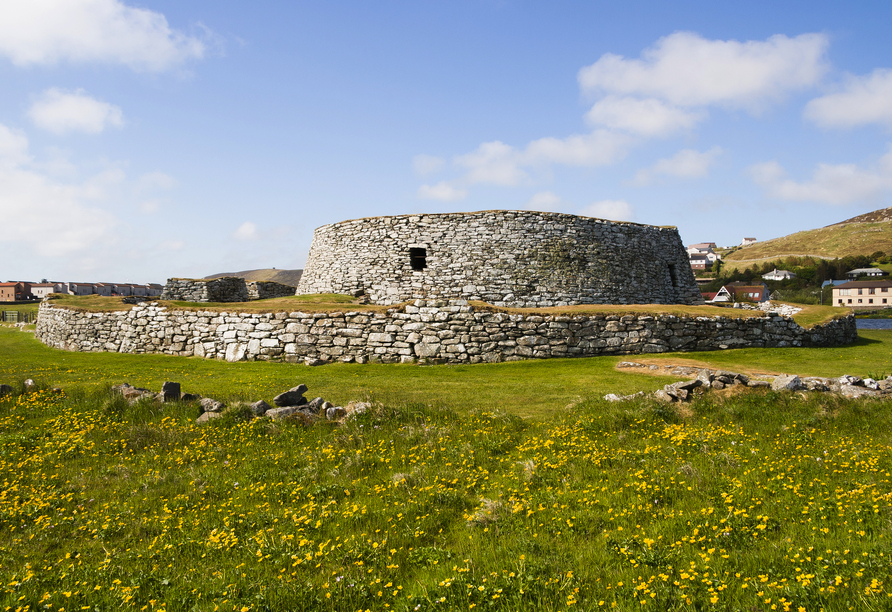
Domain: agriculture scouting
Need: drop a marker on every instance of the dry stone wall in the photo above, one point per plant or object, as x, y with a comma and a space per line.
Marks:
226, 289
431, 331
506, 258
263, 290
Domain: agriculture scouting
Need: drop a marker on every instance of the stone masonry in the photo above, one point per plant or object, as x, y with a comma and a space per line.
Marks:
226, 289
263, 290
505, 258
428, 331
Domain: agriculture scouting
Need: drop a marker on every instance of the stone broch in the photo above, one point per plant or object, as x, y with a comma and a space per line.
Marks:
505, 258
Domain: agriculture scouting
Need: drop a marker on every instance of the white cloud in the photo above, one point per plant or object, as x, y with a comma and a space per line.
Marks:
493, 162
442, 191
155, 180
648, 117
600, 148
61, 111
500, 164
615, 210
545, 201
688, 70
150, 207
687, 163
829, 184
80, 31
13, 148
246, 231
48, 217
425, 165
863, 100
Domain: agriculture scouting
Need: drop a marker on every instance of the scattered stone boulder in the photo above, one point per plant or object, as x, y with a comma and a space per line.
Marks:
315, 404
207, 416
663, 396
816, 384
132, 394
357, 408
30, 385
855, 391
335, 413
704, 378
293, 397
170, 392
5, 390
260, 408
211, 405
190, 397
277, 414
786, 382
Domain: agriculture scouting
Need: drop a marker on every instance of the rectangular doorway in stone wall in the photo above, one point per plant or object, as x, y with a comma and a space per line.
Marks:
418, 258
673, 276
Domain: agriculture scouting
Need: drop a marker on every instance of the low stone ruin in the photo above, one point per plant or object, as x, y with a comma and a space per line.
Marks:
226, 289
701, 380
289, 404
264, 290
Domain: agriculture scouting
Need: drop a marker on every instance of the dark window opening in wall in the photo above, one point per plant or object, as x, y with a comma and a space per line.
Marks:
418, 258
672, 275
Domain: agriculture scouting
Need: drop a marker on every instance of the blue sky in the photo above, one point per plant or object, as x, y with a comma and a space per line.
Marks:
142, 141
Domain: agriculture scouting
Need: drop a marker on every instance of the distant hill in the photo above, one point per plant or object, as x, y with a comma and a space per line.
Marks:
861, 235
286, 277
883, 214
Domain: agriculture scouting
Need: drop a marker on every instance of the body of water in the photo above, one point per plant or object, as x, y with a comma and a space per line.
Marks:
873, 323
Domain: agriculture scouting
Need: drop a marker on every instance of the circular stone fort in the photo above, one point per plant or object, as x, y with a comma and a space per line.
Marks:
506, 258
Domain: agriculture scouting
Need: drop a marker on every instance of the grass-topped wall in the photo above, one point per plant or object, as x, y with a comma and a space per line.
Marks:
427, 331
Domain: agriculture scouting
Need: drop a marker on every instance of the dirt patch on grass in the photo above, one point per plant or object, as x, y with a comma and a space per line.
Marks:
666, 364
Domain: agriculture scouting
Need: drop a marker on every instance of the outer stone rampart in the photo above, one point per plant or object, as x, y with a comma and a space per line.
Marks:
506, 258
432, 331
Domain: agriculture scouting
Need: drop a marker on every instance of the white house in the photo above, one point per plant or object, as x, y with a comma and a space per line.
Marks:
854, 274
777, 275
748, 241
80, 288
41, 290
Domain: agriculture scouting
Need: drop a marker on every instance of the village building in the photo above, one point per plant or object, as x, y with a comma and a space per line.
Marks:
778, 275
863, 294
854, 274
8, 292
41, 290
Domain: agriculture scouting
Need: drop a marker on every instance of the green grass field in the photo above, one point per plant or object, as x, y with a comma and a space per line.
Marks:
442, 497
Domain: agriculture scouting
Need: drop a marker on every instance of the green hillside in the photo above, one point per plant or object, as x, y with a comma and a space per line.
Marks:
286, 277
862, 235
